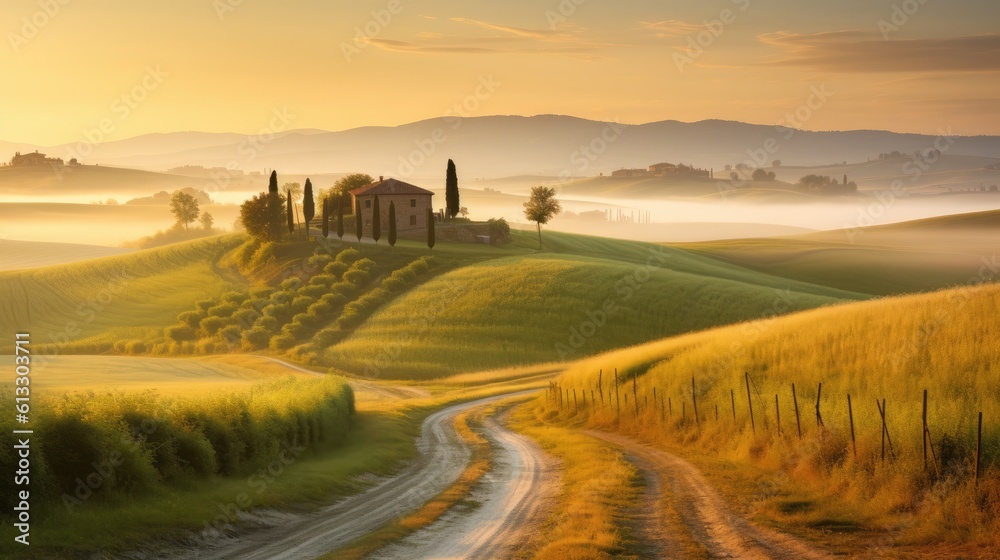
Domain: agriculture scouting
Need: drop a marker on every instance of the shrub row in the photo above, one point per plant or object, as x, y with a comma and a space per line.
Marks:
113, 446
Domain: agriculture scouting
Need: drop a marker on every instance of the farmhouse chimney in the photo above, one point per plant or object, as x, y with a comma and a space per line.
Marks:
380, 179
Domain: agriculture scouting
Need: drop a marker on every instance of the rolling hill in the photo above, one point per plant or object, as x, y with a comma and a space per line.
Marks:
582, 296
913, 256
33, 254
488, 307
136, 293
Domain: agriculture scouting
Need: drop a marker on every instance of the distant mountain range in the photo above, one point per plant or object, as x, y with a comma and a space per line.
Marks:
501, 146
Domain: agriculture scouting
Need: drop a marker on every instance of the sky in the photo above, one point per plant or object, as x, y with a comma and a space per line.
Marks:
105, 70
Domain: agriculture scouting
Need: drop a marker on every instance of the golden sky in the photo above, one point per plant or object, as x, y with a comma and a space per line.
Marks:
71, 66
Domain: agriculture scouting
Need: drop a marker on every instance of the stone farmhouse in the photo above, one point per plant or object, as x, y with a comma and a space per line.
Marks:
411, 201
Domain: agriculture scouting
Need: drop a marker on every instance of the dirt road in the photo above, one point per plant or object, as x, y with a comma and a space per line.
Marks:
442, 458
507, 504
702, 511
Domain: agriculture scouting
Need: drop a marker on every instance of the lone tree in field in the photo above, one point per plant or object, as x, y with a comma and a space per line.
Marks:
184, 207
262, 216
359, 226
272, 184
340, 219
326, 218
376, 221
392, 224
451, 191
542, 207
308, 206
430, 228
207, 221
291, 216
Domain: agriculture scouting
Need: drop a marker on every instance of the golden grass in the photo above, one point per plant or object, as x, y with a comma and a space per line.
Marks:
597, 486
947, 342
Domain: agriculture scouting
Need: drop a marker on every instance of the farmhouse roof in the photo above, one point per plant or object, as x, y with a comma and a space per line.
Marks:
390, 186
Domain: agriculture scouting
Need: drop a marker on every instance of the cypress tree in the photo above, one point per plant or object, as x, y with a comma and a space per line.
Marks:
340, 218
392, 224
291, 219
451, 191
430, 228
376, 221
272, 184
308, 205
359, 226
326, 218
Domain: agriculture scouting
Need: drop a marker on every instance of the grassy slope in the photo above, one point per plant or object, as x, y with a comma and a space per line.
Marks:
523, 309
922, 255
891, 347
946, 342
33, 254
111, 295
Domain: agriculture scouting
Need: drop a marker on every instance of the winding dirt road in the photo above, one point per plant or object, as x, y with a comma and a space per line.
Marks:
509, 502
442, 458
702, 511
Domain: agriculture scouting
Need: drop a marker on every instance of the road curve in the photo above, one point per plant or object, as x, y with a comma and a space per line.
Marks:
510, 498
703, 512
442, 458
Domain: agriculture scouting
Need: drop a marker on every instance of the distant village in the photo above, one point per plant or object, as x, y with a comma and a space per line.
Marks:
662, 170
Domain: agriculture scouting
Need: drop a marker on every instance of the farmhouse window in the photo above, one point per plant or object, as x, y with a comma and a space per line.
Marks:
413, 203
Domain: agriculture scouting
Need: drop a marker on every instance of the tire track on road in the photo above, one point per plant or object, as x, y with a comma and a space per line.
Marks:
703, 512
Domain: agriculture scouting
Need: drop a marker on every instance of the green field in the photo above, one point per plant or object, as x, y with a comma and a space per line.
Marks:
523, 310
111, 298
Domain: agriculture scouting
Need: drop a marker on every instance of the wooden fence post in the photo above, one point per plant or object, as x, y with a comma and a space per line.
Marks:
886, 437
819, 417
694, 399
850, 415
924, 428
732, 396
600, 376
753, 426
979, 445
575, 407
795, 401
670, 407
618, 402
635, 394
777, 413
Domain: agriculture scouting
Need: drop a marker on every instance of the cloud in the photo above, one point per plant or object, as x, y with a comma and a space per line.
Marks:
672, 27
474, 47
565, 40
540, 34
860, 51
